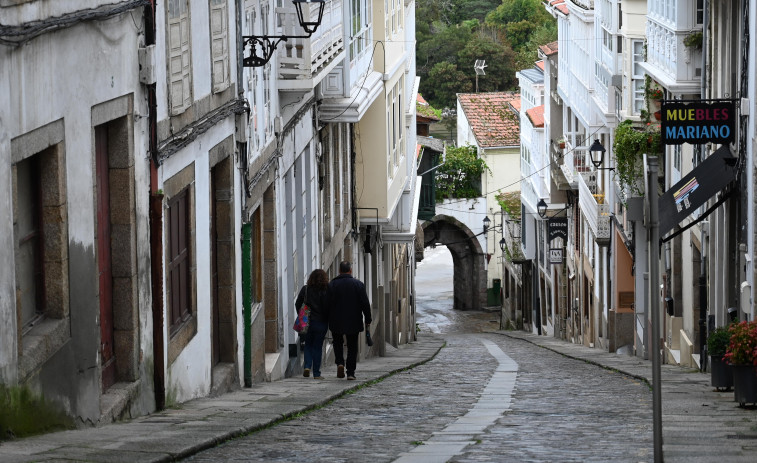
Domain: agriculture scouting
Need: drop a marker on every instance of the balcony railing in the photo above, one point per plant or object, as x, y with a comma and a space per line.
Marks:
594, 208
670, 58
574, 163
304, 62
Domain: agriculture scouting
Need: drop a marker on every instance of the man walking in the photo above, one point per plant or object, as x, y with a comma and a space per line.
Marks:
348, 305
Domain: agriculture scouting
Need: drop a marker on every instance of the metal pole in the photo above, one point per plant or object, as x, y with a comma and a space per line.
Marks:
247, 302
654, 286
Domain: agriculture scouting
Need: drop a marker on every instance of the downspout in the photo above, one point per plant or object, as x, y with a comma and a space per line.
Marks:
244, 194
702, 235
247, 302
156, 229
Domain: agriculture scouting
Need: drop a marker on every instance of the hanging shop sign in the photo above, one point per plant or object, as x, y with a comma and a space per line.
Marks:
557, 227
698, 122
696, 188
556, 256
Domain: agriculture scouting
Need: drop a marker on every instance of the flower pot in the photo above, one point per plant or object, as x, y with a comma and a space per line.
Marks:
658, 115
721, 376
744, 384
561, 145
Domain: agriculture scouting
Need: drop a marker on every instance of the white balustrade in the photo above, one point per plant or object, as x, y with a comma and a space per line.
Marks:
305, 58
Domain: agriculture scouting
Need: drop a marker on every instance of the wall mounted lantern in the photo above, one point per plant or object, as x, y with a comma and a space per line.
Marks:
502, 245
262, 46
597, 153
487, 221
541, 208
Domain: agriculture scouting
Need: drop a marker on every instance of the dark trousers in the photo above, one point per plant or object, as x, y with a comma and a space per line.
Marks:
351, 351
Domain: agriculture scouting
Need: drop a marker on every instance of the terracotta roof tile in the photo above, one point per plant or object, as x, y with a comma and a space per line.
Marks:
563, 8
550, 48
536, 116
540, 64
424, 111
492, 117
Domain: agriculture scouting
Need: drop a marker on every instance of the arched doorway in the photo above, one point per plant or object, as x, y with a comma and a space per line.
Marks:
469, 279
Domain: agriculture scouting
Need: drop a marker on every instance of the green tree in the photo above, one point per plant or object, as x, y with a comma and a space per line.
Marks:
500, 61
460, 175
444, 81
513, 11
528, 54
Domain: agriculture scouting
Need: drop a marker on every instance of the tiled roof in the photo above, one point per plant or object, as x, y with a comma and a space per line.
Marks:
516, 105
492, 117
424, 111
559, 5
536, 116
540, 64
549, 49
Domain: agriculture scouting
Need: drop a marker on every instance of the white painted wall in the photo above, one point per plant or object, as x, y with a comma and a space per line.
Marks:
42, 81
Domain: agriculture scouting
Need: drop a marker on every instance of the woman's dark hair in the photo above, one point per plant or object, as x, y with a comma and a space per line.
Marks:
318, 279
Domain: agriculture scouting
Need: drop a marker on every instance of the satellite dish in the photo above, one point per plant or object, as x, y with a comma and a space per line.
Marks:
479, 67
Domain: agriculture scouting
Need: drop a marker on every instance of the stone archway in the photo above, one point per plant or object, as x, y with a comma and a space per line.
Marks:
467, 257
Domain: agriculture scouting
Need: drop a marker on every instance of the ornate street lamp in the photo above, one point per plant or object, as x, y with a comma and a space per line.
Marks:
597, 153
541, 207
487, 221
502, 245
262, 46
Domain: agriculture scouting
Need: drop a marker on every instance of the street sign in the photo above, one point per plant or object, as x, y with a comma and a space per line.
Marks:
698, 122
696, 188
555, 256
557, 227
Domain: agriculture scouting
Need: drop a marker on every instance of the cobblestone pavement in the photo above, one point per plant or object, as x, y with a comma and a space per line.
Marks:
562, 410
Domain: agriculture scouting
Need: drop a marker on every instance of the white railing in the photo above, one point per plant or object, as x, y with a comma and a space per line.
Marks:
586, 187
574, 164
603, 221
306, 58
662, 51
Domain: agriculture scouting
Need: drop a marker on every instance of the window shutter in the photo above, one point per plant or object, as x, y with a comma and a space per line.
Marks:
219, 33
179, 56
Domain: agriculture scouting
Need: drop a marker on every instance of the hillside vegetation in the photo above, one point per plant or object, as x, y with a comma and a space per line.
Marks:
452, 34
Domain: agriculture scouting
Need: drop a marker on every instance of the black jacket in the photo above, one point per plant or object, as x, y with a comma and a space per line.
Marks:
316, 300
348, 305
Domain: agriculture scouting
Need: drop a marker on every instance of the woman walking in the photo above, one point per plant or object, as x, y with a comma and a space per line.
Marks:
314, 294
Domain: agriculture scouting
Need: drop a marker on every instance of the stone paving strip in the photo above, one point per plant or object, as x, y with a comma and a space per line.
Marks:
204, 423
699, 424
494, 401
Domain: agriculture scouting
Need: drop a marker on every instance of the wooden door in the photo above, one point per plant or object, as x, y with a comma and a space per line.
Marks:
107, 353
215, 312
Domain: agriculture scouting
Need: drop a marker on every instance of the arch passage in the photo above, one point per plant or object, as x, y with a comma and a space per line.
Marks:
467, 258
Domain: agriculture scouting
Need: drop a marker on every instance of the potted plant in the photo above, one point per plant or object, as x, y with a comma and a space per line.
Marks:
742, 355
632, 140
561, 143
721, 376
654, 93
694, 40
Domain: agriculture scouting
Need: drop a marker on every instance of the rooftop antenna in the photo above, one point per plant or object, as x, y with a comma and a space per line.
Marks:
479, 68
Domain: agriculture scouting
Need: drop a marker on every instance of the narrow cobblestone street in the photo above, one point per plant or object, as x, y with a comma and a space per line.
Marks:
561, 409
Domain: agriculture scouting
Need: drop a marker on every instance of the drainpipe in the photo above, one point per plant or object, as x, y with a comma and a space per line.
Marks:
247, 302
702, 236
156, 229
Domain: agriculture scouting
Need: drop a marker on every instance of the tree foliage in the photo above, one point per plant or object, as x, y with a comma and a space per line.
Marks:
460, 175
504, 33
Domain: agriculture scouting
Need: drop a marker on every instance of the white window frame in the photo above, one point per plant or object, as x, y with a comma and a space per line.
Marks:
637, 77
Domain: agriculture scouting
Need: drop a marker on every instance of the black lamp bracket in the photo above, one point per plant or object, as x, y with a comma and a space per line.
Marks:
266, 44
